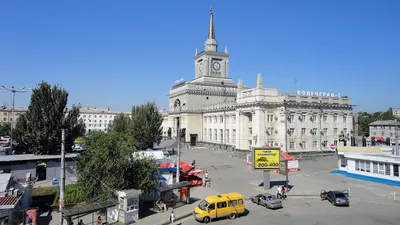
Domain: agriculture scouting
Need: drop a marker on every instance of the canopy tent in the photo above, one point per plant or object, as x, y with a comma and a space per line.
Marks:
196, 172
185, 167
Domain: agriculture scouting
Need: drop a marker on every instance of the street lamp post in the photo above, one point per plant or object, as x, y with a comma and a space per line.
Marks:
178, 158
13, 90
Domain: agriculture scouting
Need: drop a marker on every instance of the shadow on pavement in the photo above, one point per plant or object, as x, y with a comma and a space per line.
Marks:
44, 219
277, 183
246, 212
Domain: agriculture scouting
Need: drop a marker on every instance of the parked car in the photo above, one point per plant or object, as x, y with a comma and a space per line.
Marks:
267, 200
337, 198
78, 147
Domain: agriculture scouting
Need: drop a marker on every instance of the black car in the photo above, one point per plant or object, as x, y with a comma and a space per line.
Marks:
337, 198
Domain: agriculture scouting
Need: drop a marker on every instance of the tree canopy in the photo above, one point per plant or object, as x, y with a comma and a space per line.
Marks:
5, 129
364, 119
121, 123
144, 125
108, 165
39, 129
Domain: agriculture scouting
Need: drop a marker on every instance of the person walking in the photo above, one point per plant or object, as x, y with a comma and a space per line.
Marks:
172, 217
279, 194
283, 192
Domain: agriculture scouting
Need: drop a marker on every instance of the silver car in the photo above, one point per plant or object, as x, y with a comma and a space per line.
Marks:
267, 200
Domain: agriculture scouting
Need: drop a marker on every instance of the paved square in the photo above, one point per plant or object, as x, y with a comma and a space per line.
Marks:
371, 203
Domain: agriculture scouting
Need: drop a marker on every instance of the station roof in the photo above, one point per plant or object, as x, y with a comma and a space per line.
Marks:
32, 157
90, 208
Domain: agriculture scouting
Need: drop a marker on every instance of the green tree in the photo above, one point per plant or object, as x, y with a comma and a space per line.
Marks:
146, 125
5, 129
39, 129
108, 165
365, 118
121, 123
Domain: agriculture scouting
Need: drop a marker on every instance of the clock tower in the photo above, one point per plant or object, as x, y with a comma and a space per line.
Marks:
211, 63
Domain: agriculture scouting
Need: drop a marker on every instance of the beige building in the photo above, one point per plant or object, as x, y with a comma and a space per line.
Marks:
97, 119
213, 110
6, 113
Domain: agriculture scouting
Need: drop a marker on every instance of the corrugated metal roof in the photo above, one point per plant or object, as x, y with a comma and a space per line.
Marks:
4, 180
359, 149
32, 157
383, 123
8, 202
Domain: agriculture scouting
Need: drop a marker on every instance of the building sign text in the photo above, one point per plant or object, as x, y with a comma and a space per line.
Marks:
319, 94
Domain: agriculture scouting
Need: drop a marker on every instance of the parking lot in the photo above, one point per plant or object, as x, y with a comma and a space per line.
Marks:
371, 203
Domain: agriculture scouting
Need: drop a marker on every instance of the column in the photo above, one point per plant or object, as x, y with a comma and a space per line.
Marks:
259, 127
237, 127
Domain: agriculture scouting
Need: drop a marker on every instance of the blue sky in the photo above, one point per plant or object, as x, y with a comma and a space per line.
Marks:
120, 53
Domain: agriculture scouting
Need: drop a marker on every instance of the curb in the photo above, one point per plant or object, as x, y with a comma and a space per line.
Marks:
182, 216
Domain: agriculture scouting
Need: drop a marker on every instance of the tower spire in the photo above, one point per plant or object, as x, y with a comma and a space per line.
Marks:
211, 32
211, 44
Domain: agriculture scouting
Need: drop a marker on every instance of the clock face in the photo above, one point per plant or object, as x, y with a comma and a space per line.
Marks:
201, 67
216, 66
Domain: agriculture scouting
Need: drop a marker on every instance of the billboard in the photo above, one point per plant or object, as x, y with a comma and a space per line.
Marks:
266, 158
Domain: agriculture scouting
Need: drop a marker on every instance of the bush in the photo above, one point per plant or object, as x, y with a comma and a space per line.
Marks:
72, 194
42, 191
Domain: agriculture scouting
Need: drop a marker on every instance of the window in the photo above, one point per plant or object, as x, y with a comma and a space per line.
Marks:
227, 135
210, 134
232, 203
100, 116
314, 118
395, 170
221, 134
304, 144
95, 116
221, 205
291, 131
325, 131
240, 202
387, 169
325, 143
215, 119
367, 166
315, 144
334, 131
291, 118
362, 165
375, 167
234, 119
221, 119
250, 118
325, 118
344, 119
303, 118
381, 168
234, 135
314, 131
345, 130
343, 162
303, 131
215, 134
357, 165
291, 145
335, 118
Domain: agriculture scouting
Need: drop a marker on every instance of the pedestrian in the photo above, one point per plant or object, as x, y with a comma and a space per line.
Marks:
283, 192
99, 222
258, 200
279, 194
172, 217
206, 175
81, 222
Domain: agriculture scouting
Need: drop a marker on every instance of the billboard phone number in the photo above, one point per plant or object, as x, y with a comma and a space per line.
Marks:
268, 165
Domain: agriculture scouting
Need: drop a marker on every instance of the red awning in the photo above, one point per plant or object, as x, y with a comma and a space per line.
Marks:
379, 138
196, 172
185, 166
285, 156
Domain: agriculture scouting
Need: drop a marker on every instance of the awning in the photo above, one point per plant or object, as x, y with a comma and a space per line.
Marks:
196, 172
175, 186
185, 167
377, 138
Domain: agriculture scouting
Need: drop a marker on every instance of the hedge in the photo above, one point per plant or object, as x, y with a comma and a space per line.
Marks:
72, 193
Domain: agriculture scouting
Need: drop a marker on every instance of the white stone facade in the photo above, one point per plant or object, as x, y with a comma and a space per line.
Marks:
212, 109
96, 119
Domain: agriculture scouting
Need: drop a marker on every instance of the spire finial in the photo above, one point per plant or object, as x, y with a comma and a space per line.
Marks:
259, 81
211, 33
196, 53
226, 49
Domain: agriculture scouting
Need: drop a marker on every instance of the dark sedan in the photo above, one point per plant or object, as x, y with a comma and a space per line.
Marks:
337, 198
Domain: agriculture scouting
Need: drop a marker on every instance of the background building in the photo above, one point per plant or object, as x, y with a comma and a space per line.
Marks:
97, 119
215, 111
384, 129
396, 112
6, 113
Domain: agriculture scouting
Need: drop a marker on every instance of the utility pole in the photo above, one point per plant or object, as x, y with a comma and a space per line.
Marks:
13, 90
178, 158
62, 180
397, 137
224, 117
286, 126
320, 125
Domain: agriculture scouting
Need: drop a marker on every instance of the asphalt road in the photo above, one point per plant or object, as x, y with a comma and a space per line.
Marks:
370, 202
